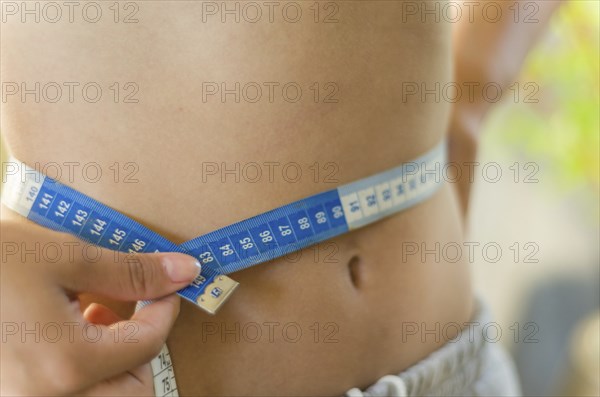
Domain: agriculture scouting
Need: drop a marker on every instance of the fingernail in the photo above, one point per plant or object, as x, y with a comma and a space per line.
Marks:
181, 268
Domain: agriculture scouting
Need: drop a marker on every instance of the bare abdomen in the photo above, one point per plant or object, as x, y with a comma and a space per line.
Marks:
351, 121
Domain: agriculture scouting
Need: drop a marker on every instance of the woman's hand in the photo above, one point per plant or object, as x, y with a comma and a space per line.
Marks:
49, 346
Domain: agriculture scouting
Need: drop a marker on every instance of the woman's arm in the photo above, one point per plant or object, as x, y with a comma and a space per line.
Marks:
489, 47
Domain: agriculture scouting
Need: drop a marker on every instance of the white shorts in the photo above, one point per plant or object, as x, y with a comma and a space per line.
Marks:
467, 366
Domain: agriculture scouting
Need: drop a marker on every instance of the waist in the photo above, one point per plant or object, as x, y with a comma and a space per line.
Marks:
333, 316
330, 317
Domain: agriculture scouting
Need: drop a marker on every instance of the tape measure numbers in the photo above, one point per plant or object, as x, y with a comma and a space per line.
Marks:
259, 239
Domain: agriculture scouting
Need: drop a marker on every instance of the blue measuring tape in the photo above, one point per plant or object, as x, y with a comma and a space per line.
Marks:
247, 243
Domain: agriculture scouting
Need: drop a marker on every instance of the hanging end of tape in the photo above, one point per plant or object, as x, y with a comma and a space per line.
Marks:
217, 293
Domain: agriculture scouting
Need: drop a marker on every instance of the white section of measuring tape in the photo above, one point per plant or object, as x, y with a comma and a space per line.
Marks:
15, 189
163, 373
259, 239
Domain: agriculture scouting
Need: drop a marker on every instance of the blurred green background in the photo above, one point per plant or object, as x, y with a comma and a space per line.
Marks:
562, 129
560, 291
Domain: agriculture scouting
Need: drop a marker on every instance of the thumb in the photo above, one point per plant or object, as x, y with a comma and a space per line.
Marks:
132, 277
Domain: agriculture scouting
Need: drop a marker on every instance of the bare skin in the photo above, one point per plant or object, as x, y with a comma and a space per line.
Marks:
171, 132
